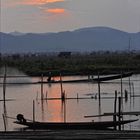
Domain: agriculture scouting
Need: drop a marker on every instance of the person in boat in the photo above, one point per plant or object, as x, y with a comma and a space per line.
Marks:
21, 118
49, 78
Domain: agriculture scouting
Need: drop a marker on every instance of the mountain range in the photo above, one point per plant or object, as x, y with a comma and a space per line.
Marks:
80, 40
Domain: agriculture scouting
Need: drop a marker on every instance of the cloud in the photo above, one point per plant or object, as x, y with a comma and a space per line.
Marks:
53, 7
47, 6
52, 1
38, 2
50, 6
55, 11
14, 3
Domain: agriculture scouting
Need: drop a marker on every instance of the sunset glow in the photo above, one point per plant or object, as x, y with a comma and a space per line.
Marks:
56, 11
35, 2
63, 15
56, 111
52, 1
38, 2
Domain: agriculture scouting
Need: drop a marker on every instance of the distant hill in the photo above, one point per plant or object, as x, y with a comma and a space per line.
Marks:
86, 39
16, 33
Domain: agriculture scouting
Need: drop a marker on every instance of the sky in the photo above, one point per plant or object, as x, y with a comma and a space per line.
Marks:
39, 16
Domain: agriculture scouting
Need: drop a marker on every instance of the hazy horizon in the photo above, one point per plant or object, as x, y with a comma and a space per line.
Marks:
16, 31
44, 16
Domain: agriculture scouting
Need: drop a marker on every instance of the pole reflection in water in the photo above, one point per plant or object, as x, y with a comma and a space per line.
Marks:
43, 107
64, 110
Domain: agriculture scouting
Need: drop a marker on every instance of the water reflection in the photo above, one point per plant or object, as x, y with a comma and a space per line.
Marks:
52, 110
69, 110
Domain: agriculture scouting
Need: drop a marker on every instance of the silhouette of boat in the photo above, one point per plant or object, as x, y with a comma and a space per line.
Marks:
70, 125
98, 79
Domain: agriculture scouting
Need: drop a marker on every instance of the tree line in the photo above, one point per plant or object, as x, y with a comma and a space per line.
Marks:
77, 64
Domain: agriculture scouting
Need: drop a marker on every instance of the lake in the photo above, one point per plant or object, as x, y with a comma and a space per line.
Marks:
22, 96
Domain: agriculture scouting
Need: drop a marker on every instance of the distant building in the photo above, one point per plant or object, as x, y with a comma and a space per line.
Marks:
64, 54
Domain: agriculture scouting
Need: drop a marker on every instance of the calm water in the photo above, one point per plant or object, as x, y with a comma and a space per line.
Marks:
53, 110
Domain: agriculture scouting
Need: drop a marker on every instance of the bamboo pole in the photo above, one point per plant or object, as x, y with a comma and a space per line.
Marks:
99, 95
130, 86
64, 111
121, 86
121, 92
115, 109
42, 87
4, 84
5, 128
33, 111
4, 95
99, 89
119, 111
77, 96
133, 89
133, 94
61, 84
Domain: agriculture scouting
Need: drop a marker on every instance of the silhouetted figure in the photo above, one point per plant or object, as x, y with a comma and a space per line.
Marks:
21, 118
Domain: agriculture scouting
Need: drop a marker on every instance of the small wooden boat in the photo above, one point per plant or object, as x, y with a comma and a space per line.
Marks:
136, 113
113, 77
100, 79
70, 125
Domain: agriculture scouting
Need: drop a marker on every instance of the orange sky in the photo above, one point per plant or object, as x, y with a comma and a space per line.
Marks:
37, 2
63, 15
56, 10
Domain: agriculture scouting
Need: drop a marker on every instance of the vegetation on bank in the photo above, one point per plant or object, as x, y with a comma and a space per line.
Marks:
76, 64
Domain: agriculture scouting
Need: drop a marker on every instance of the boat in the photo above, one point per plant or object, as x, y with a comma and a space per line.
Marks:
113, 77
49, 80
70, 125
136, 113
98, 79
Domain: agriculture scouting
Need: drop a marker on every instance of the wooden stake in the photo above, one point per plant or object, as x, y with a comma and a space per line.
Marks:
99, 89
126, 95
4, 84
133, 89
130, 86
133, 94
121, 86
4, 122
46, 95
119, 111
121, 92
115, 109
64, 110
42, 87
62, 96
33, 111
77, 96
